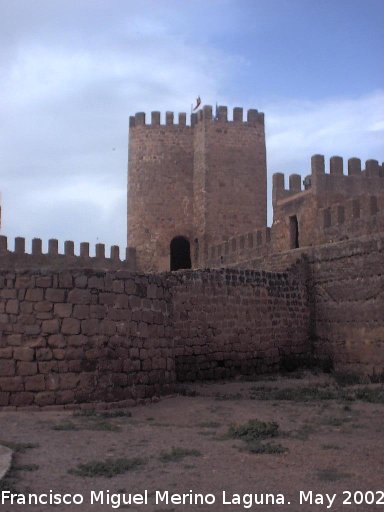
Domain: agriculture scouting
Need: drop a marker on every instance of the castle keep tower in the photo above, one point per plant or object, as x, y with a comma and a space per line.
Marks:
193, 186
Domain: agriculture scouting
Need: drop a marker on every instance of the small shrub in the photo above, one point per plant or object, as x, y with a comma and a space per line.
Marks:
371, 395
94, 425
19, 447
267, 448
303, 433
107, 468
25, 467
347, 379
377, 378
65, 425
295, 394
92, 413
177, 454
331, 475
228, 396
253, 430
209, 424
330, 447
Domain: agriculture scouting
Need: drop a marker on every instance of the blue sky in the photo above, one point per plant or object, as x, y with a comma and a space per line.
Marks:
73, 71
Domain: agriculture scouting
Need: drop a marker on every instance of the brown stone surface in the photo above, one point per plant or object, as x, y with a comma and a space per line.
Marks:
206, 324
190, 175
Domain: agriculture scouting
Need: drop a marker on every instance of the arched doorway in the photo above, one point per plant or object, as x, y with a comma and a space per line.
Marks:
180, 253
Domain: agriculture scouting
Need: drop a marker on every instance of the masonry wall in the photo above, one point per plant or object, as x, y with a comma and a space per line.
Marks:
232, 322
346, 285
349, 304
85, 336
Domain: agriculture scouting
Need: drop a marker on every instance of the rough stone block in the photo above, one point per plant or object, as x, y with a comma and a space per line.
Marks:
4, 398
63, 310
21, 399
97, 311
43, 306
79, 296
52, 382
81, 281
50, 326
7, 367
26, 368
90, 327
70, 326
44, 399
96, 282
35, 383
58, 353
43, 354
34, 294
69, 381
56, 341
12, 307
6, 353
44, 281
55, 295
65, 397
11, 384
81, 311
47, 366
23, 354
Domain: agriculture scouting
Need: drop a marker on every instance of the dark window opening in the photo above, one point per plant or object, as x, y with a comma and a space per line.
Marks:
327, 218
180, 253
294, 232
356, 209
373, 205
340, 214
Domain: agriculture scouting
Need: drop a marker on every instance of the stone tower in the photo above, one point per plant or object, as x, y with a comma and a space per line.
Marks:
193, 186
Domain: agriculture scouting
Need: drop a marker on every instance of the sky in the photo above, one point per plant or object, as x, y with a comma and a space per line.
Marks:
73, 71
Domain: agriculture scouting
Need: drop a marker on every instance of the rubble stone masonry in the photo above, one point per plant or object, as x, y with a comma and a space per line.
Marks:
83, 336
346, 287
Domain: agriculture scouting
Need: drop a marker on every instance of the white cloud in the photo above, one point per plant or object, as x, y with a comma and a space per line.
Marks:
67, 94
347, 127
332, 127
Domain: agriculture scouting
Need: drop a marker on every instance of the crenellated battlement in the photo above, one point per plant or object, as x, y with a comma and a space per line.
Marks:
205, 114
334, 181
19, 257
139, 119
336, 167
353, 217
240, 248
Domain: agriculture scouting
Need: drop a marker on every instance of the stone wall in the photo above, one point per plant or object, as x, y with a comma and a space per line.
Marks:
87, 336
83, 336
231, 322
346, 286
349, 304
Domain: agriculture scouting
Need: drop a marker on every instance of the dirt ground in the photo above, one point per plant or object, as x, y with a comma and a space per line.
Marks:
329, 440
